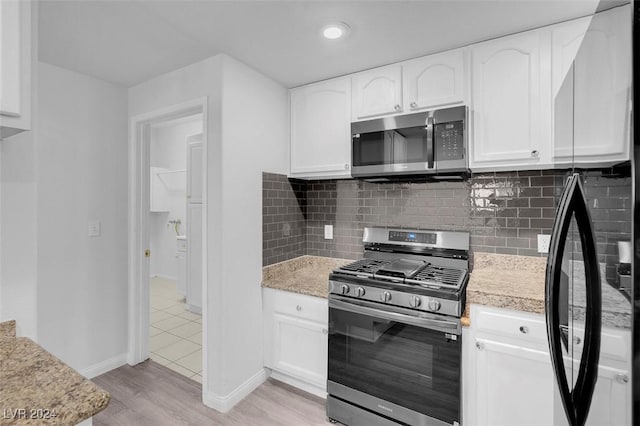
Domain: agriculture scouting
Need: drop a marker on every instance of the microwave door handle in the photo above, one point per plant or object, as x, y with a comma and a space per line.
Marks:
430, 141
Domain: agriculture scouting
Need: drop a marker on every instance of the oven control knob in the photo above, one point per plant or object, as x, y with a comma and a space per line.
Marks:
415, 301
360, 292
385, 297
434, 305
345, 289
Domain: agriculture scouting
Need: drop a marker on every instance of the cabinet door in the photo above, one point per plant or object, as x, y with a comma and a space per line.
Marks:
15, 67
377, 92
510, 105
611, 398
591, 77
181, 282
300, 348
321, 130
10, 64
194, 257
434, 80
194, 169
514, 385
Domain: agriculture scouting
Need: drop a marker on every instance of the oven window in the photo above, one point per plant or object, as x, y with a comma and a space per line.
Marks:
413, 367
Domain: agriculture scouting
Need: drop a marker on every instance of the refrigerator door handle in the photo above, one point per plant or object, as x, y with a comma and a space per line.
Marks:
576, 402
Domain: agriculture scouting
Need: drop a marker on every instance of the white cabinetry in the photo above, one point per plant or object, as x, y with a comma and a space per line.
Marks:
15, 67
591, 81
181, 260
194, 167
377, 92
321, 130
508, 378
511, 103
434, 81
508, 369
194, 223
295, 333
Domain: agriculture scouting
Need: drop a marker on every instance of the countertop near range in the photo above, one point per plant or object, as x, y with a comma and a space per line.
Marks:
48, 390
507, 281
517, 282
305, 275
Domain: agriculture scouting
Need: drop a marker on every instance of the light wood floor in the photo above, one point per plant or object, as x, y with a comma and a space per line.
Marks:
150, 394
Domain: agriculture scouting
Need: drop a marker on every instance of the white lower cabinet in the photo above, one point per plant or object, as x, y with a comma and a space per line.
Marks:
295, 339
507, 374
508, 378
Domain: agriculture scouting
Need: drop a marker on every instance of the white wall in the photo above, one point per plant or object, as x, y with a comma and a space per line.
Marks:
18, 266
169, 150
72, 169
247, 127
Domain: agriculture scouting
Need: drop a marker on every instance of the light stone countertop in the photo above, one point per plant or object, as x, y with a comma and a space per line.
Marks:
507, 281
305, 275
498, 280
518, 283
33, 379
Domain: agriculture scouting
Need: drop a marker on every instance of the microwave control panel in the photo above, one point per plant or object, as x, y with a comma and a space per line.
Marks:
449, 141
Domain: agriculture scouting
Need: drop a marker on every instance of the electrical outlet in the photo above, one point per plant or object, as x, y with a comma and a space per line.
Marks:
328, 232
94, 228
543, 243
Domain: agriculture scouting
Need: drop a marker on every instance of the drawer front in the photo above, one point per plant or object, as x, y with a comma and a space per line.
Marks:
297, 305
520, 325
181, 245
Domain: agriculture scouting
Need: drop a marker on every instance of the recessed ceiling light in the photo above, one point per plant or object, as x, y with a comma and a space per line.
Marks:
335, 31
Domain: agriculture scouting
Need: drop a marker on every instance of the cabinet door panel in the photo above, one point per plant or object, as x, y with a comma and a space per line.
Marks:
194, 257
10, 74
321, 129
514, 385
194, 169
435, 80
591, 85
508, 99
377, 92
300, 348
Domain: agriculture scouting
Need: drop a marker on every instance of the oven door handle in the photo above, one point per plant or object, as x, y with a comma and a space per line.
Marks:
442, 325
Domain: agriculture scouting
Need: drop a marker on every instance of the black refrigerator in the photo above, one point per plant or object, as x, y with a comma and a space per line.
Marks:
592, 289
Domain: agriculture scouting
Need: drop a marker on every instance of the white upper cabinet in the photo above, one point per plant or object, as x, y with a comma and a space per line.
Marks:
591, 75
194, 168
510, 103
377, 92
15, 67
321, 130
433, 81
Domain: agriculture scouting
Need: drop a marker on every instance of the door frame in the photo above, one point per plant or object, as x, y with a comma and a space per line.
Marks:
138, 226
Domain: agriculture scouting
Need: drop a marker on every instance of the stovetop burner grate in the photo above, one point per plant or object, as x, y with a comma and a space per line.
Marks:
364, 267
437, 276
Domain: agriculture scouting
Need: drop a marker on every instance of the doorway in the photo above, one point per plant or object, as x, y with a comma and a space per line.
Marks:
167, 204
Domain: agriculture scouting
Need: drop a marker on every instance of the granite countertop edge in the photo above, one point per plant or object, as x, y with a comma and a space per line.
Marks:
34, 379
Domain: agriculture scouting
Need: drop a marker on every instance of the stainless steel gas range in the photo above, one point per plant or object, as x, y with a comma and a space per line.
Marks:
395, 344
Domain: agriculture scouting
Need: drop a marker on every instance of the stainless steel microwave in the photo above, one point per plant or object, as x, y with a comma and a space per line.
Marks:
424, 143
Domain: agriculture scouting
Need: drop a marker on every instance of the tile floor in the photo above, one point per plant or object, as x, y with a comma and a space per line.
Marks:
175, 334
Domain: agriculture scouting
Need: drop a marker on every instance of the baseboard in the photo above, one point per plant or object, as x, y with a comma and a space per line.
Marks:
225, 403
164, 277
104, 366
296, 383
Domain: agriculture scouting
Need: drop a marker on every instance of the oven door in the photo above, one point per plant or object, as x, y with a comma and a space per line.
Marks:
399, 365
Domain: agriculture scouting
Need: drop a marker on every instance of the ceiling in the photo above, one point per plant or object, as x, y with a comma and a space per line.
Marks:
127, 42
